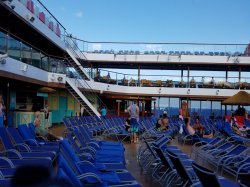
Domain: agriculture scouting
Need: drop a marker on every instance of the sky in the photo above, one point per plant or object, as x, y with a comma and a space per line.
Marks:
156, 21
178, 21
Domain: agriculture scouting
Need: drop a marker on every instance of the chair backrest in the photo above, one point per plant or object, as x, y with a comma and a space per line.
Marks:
25, 132
79, 137
215, 141
150, 149
225, 146
163, 158
66, 173
237, 150
180, 168
65, 146
15, 135
6, 141
32, 129
205, 176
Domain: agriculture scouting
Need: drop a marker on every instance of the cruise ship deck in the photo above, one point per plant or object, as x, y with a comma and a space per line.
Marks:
57, 85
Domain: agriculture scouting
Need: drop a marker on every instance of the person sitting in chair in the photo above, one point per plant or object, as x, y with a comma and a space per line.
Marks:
41, 131
199, 128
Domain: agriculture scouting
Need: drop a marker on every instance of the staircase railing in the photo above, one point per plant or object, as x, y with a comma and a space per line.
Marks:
81, 58
81, 97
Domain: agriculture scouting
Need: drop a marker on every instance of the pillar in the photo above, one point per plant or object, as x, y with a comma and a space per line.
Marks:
139, 74
239, 77
118, 107
226, 75
154, 108
143, 108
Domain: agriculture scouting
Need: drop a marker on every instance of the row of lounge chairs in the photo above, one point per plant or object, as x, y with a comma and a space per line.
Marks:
131, 52
106, 159
81, 160
169, 166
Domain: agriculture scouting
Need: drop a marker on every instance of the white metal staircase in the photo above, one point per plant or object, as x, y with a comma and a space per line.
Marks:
78, 61
74, 90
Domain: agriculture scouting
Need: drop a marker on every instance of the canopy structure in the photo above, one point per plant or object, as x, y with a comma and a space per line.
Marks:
241, 98
46, 90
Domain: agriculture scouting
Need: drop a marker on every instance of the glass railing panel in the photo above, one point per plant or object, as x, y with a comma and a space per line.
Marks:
14, 47
36, 58
3, 43
44, 62
134, 48
26, 54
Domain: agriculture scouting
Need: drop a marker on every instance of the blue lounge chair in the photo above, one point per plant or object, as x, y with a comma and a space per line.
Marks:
13, 151
66, 150
34, 146
207, 177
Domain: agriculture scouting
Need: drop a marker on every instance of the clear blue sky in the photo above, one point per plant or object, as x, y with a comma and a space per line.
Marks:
212, 21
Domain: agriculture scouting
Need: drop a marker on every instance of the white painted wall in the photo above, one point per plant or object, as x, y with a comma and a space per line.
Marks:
25, 70
160, 91
22, 69
195, 59
21, 10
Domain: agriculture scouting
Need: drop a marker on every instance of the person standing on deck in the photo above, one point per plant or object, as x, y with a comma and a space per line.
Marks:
46, 115
104, 112
134, 114
2, 108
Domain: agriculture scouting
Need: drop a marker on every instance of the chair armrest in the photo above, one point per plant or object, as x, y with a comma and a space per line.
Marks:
95, 144
32, 141
85, 175
201, 143
89, 148
22, 147
40, 138
8, 161
84, 156
15, 152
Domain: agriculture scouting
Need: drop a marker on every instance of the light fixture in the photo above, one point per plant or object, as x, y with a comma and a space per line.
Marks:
30, 17
188, 91
3, 61
60, 79
159, 91
108, 87
24, 67
217, 92
3, 58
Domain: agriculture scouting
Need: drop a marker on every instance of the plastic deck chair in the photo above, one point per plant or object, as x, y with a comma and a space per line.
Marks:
18, 139
12, 163
117, 150
29, 137
89, 138
208, 177
67, 174
66, 149
187, 176
13, 151
236, 165
109, 155
111, 178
